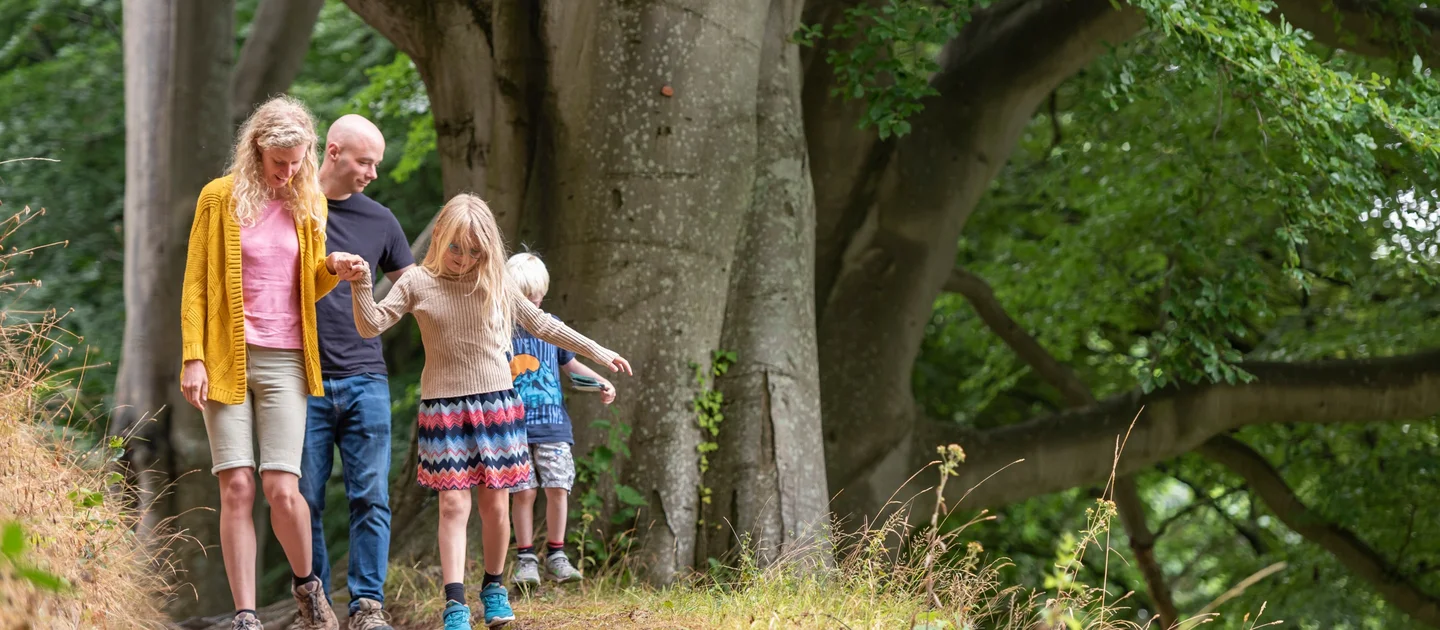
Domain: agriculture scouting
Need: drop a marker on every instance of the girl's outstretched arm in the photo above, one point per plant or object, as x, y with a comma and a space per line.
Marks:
371, 319
542, 325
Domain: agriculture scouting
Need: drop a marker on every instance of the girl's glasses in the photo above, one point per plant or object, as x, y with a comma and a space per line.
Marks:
460, 251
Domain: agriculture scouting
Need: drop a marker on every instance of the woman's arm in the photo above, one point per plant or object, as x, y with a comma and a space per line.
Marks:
371, 319
192, 290
325, 278
542, 325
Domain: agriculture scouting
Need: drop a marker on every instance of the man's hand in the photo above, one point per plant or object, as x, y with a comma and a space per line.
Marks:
195, 383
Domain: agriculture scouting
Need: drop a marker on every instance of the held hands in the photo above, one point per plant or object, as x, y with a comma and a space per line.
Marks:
347, 266
195, 383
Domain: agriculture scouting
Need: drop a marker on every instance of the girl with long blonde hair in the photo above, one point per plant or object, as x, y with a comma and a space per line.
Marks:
255, 267
471, 422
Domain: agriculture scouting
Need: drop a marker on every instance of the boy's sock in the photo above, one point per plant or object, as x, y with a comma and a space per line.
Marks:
490, 578
247, 610
552, 548
455, 592
529, 550
297, 581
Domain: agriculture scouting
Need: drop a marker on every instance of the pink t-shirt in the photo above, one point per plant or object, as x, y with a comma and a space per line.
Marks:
270, 264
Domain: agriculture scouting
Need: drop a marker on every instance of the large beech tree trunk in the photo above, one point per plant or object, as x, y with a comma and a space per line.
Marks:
177, 74
894, 241
767, 480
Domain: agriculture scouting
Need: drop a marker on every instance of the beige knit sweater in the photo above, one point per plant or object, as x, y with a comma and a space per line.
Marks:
465, 351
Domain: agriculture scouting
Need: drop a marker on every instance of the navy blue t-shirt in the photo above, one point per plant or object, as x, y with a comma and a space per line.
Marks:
535, 365
367, 229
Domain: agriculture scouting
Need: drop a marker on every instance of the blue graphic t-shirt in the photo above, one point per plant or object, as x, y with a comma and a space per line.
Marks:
535, 367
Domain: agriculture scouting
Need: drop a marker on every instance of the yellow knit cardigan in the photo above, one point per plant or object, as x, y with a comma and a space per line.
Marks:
212, 306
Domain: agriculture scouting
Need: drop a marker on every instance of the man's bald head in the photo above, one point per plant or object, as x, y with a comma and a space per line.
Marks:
353, 128
353, 150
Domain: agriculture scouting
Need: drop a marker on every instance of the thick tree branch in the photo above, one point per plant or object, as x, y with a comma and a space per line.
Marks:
273, 53
1367, 27
1052, 371
1076, 447
1349, 549
1126, 492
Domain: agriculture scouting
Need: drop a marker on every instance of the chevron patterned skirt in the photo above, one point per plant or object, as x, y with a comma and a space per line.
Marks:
475, 440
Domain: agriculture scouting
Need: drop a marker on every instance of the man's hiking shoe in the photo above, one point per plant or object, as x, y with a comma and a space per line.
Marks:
527, 571
368, 616
559, 569
312, 609
245, 621
497, 606
457, 616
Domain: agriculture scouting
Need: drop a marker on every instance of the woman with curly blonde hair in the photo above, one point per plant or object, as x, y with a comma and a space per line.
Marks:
255, 267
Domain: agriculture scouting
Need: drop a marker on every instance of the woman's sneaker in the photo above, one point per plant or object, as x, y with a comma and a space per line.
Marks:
245, 621
560, 569
497, 605
457, 616
527, 570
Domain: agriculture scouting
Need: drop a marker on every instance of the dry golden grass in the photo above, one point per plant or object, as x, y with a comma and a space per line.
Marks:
73, 531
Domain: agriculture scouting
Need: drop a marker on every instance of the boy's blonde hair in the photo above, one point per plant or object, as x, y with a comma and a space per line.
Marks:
529, 274
466, 220
282, 122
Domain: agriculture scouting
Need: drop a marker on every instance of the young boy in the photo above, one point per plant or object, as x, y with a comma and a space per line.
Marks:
536, 367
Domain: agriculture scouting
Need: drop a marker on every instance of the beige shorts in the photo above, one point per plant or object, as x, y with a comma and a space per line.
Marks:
276, 398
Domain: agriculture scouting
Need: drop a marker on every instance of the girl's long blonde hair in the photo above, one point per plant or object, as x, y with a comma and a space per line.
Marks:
466, 220
281, 123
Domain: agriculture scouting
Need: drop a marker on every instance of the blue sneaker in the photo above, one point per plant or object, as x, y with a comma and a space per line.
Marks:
457, 616
497, 605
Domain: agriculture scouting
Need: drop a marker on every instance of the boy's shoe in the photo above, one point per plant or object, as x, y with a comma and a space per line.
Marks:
312, 609
245, 621
457, 616
368, 616
559, 569
497, 605
527, 570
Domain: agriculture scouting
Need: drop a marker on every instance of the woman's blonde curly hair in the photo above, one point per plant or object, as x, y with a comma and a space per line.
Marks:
281, 123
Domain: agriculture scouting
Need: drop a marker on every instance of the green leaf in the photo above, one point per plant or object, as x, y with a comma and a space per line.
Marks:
629, 496
13, 543
43, 579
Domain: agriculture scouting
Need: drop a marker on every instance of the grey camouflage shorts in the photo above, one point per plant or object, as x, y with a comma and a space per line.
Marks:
551, 466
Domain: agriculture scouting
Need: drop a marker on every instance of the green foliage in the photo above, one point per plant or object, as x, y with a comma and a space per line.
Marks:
13, 545
885, 55
595, 480
707, 405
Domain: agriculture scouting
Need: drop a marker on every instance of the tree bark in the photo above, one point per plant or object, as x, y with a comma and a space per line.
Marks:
272, 54
647, 195
177, 70
1005, 62
1358, 556
767, 481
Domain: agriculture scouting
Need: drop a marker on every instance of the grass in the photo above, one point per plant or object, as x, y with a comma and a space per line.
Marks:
71, 559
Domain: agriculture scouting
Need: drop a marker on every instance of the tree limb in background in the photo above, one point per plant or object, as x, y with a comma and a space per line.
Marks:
1076, 447
1126, 494
272, 54
1349, 549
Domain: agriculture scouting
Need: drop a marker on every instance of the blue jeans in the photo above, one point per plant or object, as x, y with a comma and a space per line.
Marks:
354, 413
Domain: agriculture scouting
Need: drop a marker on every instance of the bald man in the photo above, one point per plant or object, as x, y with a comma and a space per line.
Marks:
354, 413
